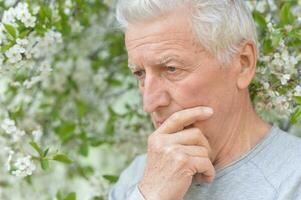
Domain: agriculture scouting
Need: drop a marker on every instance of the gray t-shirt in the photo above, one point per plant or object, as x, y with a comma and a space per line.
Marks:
271, 170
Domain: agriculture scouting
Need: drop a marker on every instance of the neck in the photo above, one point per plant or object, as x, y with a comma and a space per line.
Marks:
242, 132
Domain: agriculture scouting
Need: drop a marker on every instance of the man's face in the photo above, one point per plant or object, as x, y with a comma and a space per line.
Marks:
175, 72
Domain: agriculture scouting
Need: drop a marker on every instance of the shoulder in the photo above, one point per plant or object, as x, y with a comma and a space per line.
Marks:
129, 177
280, 161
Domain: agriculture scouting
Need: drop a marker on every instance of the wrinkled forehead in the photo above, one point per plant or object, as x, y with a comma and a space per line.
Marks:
175, 24
164, 38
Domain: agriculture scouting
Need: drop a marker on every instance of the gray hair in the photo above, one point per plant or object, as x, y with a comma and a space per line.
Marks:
221, 25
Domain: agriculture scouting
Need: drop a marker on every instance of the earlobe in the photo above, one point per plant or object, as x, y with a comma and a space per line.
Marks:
244, 77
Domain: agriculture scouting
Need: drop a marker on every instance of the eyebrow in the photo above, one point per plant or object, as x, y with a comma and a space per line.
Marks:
161, 61
167, 58
133, 67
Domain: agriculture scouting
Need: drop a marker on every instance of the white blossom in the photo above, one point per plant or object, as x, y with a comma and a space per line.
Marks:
9, 2
285, 55
297, 90
285, 78
16, 137
35, 9
272, 5
29, 21
9, 17
53, 36
1, 60
261, 6
2, 34
37, 134
33, 80
271, 27
266, 85
22, 42
9, 159
14, 54
24, 167
10, 128
288, 28
22, 13
47, 45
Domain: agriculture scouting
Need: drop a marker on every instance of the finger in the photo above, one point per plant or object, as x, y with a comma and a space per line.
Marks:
195, 151
204, 168
191, 136
179, 120
203, 178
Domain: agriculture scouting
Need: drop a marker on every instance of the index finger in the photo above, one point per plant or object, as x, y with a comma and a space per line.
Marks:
179, 120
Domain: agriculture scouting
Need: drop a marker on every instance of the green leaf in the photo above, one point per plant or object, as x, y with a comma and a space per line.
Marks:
65, 131
84, 149
110, 123
286, 16
71, 196
59, 195
11, 30
114, 82
82, 108
45, 152
24, 33
296, 117
276, 38
40, 29
267, 46
48, 13
97, 198
4, 48
111, 178
297, 99
94, 142
62, 158
42, 14
259, 19
44, 164
37, 148
80, 3
295, 42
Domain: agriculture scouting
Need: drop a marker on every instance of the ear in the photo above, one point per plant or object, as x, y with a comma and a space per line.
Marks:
247, 64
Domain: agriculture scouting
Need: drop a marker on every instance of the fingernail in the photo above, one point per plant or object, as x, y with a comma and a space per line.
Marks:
208, 110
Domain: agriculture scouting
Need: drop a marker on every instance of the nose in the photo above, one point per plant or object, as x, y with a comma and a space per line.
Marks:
154, 94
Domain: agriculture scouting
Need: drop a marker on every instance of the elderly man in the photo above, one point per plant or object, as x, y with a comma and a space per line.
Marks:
194, 60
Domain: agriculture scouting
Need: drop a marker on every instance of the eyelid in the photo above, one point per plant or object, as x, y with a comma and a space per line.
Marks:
171, 66
138, 70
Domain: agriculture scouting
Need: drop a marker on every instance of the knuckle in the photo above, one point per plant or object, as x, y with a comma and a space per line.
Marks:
206, 163
204, 152
188, 172
180, 159
169, 149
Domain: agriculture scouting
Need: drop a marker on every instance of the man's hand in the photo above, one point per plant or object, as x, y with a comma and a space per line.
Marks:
175, 154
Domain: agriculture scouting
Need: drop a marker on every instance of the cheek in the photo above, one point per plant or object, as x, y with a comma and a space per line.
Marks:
195, 91
214, 91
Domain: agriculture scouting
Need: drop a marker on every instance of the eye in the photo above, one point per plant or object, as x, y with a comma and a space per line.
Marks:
139, 73
171, 69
